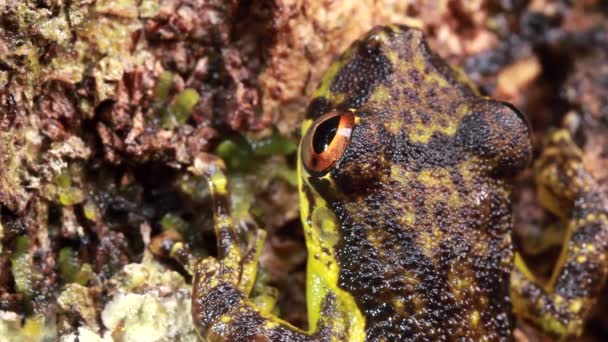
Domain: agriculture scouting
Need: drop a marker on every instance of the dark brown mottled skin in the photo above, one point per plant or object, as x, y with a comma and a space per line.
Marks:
423, 261
409, 232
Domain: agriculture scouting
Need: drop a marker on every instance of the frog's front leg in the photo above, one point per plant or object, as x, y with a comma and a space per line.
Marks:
565, 188
221, 307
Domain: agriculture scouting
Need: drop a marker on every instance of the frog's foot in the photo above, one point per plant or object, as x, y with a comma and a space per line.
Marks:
567, 189
215, 292
223, 311
221, 307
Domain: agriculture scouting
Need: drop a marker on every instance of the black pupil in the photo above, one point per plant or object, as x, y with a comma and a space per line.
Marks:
325, 133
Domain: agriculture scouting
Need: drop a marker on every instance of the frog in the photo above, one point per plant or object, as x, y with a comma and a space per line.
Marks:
406, 173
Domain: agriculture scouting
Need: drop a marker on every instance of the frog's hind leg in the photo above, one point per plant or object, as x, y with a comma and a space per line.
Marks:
565, 188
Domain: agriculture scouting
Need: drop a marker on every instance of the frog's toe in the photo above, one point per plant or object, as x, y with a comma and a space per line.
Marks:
250, 262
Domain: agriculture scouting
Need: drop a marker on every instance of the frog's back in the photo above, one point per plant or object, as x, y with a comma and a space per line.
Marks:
420, 194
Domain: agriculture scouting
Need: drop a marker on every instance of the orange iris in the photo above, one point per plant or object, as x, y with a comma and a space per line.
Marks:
326, 141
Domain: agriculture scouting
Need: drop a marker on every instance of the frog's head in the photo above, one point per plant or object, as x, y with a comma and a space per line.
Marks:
402, 167
390, 109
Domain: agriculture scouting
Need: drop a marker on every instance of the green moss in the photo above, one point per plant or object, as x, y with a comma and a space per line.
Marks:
78, 12
236, 153
68, 265
10, 326
109, 37
69, 66
163, 86
242, 154
85, 274
64, 180
56, 29
14, 173
173, 222
91, 212
71, 196
276, 144
33, 328
181, 108
63, 190
21, 266
70, 270
193, 186
108, 72
148, 8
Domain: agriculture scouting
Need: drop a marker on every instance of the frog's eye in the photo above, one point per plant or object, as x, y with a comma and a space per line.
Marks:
327, 140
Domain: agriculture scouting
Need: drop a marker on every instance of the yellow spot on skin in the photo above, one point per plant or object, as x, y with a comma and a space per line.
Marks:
418, 304
325, 220
428, 242
400, 175
393, 57
394, 126
480, 248
330, 74
223, 221
576, 305
176, 248
427, 178
398, 304
422, 133
419, 62
220, 183
475, 318
380, 95
408, 218
460, 282
440, 186
269, 324
581, 259
373, 237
